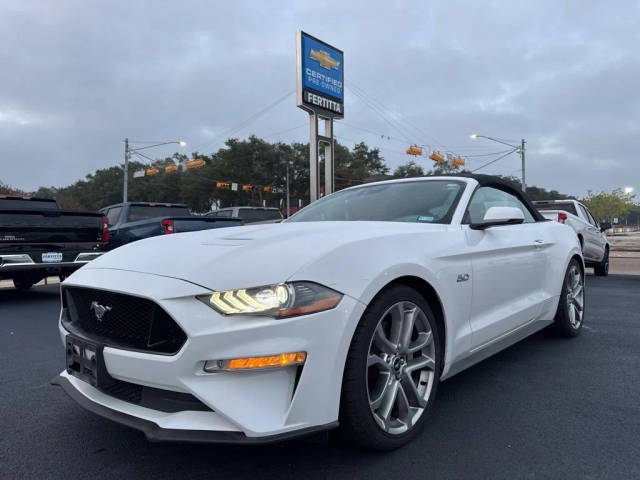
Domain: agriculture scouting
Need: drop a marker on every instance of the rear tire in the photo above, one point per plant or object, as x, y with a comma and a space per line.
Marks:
22, 285
602, 269
570, 313
392, 371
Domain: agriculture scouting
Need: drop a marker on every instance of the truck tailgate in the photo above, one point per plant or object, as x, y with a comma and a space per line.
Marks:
49, 226
550, 214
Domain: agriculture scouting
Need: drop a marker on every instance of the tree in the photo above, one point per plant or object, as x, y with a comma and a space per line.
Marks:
252, 161
7, 190
445, 168
366, 163
408, 170
607, 206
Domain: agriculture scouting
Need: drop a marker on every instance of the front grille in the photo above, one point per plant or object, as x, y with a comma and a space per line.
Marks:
154, 398
120, 320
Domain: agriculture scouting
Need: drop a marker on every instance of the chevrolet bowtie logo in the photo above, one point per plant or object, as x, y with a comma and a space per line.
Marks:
324, 59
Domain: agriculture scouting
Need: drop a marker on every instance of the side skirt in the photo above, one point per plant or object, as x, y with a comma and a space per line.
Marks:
496, 346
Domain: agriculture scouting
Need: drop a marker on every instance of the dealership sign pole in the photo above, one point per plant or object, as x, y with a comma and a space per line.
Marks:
320, 92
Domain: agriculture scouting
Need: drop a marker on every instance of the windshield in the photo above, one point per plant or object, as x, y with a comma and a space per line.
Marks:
429, 201
144, 212
256, 215
566, 206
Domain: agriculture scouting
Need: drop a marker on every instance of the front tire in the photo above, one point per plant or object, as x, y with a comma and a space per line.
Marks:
392, 371
570, 313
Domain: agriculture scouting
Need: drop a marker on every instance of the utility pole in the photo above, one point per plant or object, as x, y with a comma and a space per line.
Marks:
516, 148
288, 203
524, 184
126, 170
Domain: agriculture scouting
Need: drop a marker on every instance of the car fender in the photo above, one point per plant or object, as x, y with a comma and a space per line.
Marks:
380, 264
567, 247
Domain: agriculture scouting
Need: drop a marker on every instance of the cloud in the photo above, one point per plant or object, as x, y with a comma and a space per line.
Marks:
78, 78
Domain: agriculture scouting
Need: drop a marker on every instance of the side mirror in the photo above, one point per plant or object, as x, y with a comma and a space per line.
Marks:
605, 226
497, 216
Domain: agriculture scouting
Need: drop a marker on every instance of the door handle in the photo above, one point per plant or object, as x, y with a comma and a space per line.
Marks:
538, 243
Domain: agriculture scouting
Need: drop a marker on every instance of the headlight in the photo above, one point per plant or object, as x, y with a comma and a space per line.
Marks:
280, 300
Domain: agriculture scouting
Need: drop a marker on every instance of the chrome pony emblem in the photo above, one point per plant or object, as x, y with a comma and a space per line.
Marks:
99, 310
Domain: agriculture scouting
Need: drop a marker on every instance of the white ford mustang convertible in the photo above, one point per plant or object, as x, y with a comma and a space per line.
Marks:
346, 315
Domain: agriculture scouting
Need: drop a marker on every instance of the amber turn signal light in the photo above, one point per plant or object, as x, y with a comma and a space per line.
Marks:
256, 363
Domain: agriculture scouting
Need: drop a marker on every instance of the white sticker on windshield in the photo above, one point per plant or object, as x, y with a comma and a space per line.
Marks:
425, 219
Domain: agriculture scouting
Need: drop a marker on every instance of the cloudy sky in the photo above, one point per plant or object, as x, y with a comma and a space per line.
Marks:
78, 77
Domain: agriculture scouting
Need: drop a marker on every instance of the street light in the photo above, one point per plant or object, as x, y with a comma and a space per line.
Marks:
516, 148
127, 154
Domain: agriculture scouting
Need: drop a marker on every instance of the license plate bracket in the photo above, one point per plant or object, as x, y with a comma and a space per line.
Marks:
52, 257
85, 361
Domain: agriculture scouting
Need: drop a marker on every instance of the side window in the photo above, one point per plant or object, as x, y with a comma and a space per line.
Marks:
487, 197
112, 216
224, 213
593, 221
587, 215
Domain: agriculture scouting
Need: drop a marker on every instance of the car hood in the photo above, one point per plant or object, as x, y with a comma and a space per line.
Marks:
254, 255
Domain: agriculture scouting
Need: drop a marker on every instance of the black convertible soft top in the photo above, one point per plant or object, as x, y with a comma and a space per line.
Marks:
505, 186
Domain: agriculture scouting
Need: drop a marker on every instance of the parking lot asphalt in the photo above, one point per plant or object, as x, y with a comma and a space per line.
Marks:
544, 408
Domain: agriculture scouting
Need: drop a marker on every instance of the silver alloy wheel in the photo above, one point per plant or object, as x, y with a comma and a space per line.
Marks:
400, 367
575, 296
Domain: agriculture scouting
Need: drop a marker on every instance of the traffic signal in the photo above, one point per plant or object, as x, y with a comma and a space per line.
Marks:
246, 188
170, 168
458, 161
152, 171
267, 189
414, 150
197, 163
223, 185
437, 157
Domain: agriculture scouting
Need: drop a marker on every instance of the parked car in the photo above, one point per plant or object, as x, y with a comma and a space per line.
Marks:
132, 221
249, 214
393, 287
38, 239
591, 233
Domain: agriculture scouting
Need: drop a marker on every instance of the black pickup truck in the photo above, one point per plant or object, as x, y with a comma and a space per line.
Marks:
38, 239
131, 221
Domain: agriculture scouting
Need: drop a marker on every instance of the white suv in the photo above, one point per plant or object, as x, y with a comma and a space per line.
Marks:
594, 242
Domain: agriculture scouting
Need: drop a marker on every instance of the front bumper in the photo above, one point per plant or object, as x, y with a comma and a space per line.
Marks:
155, 433
246, 407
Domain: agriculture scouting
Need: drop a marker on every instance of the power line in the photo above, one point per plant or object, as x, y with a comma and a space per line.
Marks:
386, 113
382, 115
397, 117
285, 131
144, 156
378, 134
244, 123
379, 148
495, 160
488, 154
